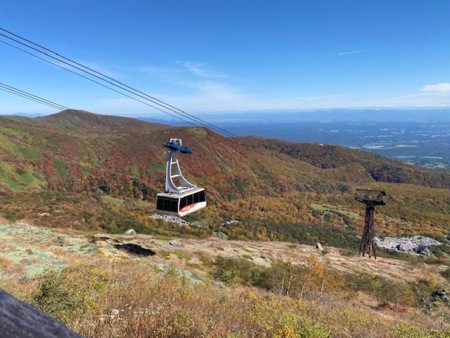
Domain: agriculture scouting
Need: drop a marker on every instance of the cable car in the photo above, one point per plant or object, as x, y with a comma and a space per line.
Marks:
180, 197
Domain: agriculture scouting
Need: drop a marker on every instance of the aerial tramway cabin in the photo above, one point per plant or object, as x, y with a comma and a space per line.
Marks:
180, 197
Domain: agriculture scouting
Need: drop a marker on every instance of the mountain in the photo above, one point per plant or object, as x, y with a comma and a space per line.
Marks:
87, 171
328, 156
247, 265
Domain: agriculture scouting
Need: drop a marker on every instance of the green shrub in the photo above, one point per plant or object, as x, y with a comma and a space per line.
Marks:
384, 289
71, 292
237, 271
446, 274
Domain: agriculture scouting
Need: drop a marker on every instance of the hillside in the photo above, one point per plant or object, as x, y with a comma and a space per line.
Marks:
217, 288
80, 120
379, 168
247, 265
87, 171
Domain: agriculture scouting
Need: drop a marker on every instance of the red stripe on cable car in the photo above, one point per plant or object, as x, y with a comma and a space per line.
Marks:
187, 207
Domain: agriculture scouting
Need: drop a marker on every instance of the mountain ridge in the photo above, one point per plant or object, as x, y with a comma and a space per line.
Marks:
326, 156
75, 119
224, 154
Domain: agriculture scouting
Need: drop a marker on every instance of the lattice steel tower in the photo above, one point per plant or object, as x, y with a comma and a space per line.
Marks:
370, 198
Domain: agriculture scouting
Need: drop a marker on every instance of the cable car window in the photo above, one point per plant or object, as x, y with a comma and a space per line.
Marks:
201, 196
183, 202
167, 204
160, 203
174, 205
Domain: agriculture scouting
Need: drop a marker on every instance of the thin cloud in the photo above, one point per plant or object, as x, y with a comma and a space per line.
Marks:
351, 52
436, 88
195, 86
201, 70
100, 69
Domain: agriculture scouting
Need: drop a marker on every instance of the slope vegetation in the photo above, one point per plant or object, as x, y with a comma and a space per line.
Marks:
217, 288
83, 170
73, 182
379, 168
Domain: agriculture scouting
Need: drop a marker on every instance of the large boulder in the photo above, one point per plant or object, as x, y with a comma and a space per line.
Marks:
20, 319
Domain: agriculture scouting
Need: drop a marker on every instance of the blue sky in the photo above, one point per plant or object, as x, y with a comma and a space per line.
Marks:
228, 55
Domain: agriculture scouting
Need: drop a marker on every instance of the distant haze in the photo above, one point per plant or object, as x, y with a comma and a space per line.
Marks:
324, 115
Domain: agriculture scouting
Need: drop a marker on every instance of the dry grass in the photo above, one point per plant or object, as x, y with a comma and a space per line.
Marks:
5, 263
203, 254
10, 268
139, 302
125, 296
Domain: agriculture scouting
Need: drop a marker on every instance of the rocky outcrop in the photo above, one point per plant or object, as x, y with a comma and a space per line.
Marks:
20, 319
416, 244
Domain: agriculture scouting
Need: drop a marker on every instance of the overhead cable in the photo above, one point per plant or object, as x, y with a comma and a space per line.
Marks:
83, 76
94, 81
137, 94
30, 96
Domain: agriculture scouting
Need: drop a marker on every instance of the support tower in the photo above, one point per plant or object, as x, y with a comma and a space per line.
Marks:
370, 198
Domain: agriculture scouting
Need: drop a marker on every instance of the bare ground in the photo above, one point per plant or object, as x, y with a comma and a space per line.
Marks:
25, 249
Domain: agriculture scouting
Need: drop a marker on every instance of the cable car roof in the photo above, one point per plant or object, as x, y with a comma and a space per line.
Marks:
180, 193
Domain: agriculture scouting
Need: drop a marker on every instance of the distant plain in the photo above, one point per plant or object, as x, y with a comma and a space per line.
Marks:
423, 144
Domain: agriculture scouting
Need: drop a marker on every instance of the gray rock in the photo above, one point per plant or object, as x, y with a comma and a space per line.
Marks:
130, 232
442, 295
61, 240
176, 242
20, 319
